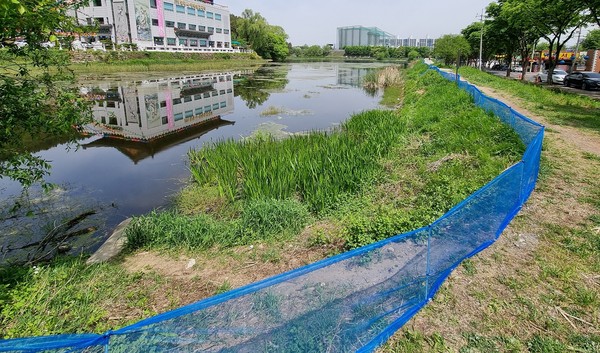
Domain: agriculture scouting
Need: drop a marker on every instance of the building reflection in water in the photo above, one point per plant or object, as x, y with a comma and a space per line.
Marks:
151, 116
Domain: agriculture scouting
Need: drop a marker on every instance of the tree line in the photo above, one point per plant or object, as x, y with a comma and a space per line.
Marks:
515, 28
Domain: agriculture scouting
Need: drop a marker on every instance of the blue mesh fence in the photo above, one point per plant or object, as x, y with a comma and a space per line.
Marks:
350, 302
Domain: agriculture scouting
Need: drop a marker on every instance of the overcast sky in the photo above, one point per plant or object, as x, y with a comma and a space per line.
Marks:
315, 22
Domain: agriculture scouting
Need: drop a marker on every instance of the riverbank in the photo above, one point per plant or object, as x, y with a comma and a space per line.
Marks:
426, 166
134, 61
536, 289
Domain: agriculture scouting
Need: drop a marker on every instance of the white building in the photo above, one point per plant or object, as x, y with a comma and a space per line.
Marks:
158, 113
173, 25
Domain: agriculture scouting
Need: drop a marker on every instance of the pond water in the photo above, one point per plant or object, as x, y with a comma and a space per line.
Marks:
132, 159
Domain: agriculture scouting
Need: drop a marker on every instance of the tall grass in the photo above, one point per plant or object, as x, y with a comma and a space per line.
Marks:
316, 168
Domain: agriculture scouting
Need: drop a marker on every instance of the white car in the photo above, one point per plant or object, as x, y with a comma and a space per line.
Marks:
20, 43
557, 77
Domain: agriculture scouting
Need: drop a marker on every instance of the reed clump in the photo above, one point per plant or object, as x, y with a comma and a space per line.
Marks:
387, 77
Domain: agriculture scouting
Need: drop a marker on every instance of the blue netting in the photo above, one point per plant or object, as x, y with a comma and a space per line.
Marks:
350, 302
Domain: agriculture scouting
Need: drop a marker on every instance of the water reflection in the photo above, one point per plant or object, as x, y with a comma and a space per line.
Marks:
144, 119
133, 157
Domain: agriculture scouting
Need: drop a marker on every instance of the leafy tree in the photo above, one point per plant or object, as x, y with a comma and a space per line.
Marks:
267, 41
413, 54
511, 29
450, 46
32, 103
591, 40
557, 21
593, 6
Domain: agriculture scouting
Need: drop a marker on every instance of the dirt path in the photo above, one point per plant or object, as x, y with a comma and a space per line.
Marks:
582, 140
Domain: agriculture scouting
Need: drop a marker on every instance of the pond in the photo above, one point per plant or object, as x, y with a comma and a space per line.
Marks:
132, 159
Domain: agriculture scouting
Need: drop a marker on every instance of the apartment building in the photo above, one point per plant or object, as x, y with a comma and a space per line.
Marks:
161, 25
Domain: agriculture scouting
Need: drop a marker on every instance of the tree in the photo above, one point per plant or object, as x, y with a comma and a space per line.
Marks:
591, 40
511, 30
32, 102
267, 41
593, 6
556, 24
450, 46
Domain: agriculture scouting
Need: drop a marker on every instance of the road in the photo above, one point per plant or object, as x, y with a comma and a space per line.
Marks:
530, 77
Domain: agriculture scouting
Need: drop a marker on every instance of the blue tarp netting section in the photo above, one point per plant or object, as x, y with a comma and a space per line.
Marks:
350, 302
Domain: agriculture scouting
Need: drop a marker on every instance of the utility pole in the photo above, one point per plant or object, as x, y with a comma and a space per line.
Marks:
576, 51
481, 44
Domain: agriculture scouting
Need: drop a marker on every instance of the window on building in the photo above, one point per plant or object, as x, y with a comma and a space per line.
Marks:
219, 30
198, 111
221, 92
181, 25
207, 108
200, 13
215, 106
211, 43
191, 11
193, 42
223, 104
209, 15
171, 41
97, 2
178, 116
214, 93
159, 41
189, 113
219, 44
211, 29
99, 20
206, 94
226, 31
163, 104
202, 42
202, 28
169, 24
168, 6
155, 21
229, 90
226, 44
165, 120
153, 4
218, 16
176, 101
183, 42
197, 97
180, 8
192, 27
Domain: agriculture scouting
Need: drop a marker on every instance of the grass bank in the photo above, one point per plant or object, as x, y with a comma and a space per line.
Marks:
116, 61
536, 289
262, 206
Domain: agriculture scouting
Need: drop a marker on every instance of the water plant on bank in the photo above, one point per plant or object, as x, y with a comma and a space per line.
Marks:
432, 153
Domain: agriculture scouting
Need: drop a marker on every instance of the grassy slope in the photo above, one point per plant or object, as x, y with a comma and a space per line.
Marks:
536, 289
440, 159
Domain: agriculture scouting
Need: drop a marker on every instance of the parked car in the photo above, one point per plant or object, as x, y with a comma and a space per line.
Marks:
583, 80
517, 68
20, 43
499, 67
558, 76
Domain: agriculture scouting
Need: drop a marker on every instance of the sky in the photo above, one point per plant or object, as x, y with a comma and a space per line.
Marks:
316, 22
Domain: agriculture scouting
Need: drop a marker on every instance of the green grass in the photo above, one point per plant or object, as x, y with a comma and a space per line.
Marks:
380, 173
562, 108
68, 296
